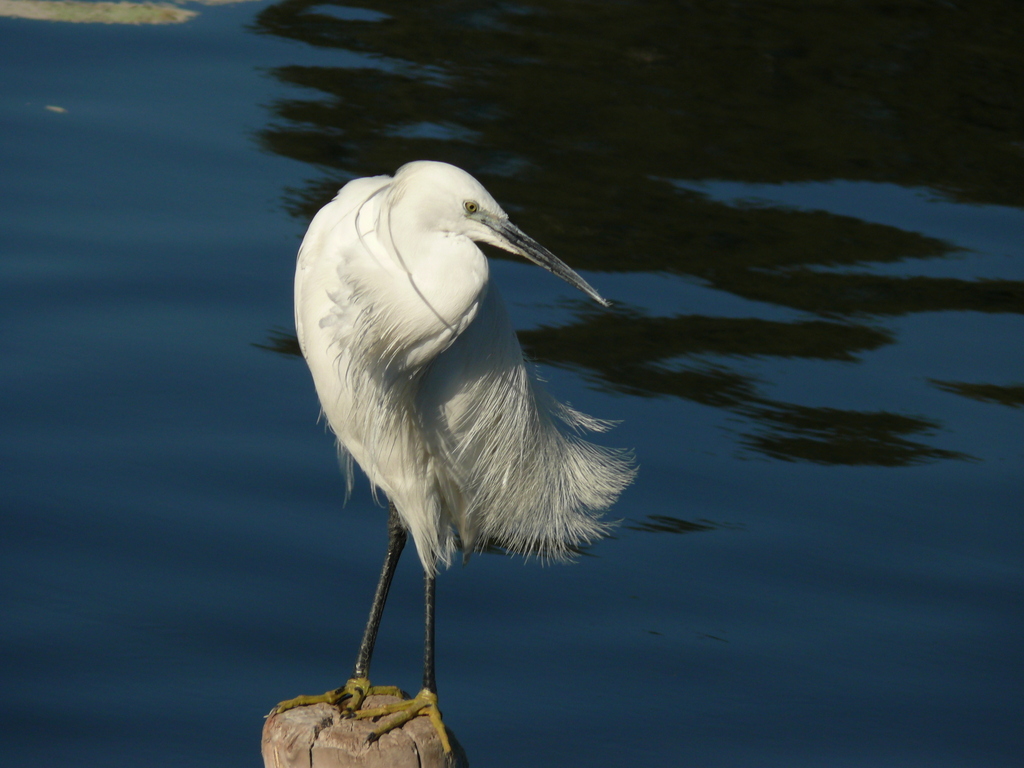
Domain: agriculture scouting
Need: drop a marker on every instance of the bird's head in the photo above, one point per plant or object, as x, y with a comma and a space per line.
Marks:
437, 196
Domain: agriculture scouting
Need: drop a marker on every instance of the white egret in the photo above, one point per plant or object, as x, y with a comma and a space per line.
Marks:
423, 382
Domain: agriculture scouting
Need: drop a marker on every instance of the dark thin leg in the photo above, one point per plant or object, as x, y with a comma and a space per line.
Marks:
425, 702
428, 641
396, 541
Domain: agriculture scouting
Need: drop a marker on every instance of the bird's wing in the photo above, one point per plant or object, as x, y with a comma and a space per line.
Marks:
510, 463
324, 237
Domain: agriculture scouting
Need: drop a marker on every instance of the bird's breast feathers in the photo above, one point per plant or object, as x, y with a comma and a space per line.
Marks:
399, 303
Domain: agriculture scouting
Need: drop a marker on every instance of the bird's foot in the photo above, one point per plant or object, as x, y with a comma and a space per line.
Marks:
349, 697
423, 704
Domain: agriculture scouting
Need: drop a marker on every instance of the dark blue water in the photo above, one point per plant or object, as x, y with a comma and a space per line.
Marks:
816, 353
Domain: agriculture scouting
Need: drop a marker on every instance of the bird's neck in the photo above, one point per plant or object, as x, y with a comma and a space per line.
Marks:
433, 288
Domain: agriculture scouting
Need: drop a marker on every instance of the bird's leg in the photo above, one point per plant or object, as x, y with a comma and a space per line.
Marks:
425, 702
358, 687
429, 599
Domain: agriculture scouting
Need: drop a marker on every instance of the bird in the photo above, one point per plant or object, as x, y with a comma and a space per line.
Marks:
422, 380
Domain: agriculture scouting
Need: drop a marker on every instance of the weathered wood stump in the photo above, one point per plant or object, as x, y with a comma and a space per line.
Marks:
317, 736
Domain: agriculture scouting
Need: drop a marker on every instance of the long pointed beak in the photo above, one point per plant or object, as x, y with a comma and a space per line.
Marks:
511, 238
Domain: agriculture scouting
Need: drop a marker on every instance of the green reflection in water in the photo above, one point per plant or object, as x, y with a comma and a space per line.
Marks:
578, 116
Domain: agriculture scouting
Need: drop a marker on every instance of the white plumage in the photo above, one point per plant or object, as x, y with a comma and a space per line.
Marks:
423, 381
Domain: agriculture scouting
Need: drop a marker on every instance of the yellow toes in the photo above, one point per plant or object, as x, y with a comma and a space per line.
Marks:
351, 696
352, 693
425, 703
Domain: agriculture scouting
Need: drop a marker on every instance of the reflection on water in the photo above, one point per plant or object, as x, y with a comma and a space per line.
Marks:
1012, 396
550, 120
669, 524
918, 96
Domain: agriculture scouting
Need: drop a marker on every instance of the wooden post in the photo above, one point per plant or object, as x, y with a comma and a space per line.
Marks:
317, 736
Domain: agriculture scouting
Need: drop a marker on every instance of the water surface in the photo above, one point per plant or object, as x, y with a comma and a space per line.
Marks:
809, 219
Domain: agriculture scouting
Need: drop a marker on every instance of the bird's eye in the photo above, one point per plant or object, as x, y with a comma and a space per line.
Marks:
471, 206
